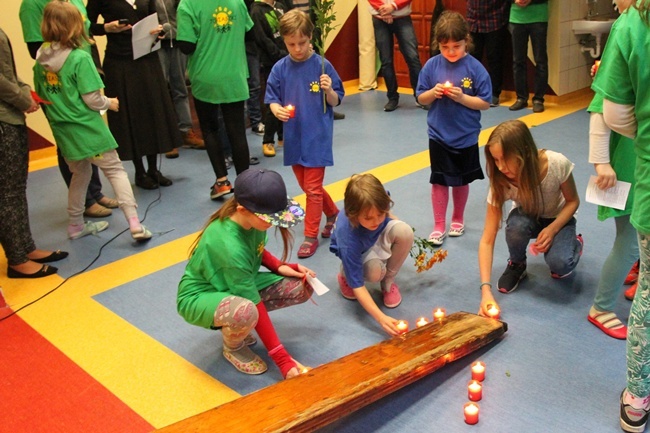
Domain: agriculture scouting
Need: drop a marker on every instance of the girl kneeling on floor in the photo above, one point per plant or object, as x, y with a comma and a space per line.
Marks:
372, 245
223, 287
541, 185
65, 75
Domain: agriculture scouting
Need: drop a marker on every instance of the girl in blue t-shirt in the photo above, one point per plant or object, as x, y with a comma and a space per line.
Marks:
457, 87
372, 245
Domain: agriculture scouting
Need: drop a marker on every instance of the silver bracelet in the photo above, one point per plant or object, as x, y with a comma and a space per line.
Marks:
484, 284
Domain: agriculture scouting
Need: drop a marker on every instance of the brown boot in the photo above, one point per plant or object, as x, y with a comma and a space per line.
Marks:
192, 140
172, 154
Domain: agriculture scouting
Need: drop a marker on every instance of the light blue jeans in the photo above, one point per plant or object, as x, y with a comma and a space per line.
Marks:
638, 327
561, 258
617, 264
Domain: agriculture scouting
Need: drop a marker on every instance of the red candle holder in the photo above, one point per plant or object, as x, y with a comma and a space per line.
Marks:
478, 371
471, 411
474, 390
421, 322
292, 111
402, 327
439, 313
447, 86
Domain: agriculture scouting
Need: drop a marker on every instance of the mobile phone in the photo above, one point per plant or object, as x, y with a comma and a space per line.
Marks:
123, 21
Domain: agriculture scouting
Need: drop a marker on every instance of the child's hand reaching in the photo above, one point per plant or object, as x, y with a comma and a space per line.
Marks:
388, 324
288, 271
544, 240
114, 104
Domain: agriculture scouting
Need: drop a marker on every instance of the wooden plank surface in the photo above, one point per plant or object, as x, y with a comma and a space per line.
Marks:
338, 388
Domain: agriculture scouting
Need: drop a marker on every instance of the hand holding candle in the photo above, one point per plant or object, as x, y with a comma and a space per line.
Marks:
493, 311
402, 327
292, 111
447, 86
475, 390
471, 411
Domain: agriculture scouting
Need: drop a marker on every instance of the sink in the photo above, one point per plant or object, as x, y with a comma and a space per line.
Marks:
595, 27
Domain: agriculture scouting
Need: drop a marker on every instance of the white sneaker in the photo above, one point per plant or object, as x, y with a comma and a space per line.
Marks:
90, 228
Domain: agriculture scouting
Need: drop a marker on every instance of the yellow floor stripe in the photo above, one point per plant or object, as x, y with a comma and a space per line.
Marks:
139, 370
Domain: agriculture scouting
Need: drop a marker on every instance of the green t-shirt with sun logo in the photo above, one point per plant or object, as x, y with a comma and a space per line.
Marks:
218, 69
31, 16
79, 131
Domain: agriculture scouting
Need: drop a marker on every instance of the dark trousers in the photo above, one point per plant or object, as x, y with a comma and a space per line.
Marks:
235, 125
15, 234
402, 28
537, 34
493, 45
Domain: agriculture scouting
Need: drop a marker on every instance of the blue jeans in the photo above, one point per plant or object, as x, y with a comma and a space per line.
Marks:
520, 34
561, 258
403, 29
253, 104
173, 63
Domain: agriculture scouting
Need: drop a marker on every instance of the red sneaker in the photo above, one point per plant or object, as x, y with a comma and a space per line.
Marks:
633, 275
346, 290
392, 297
629, 293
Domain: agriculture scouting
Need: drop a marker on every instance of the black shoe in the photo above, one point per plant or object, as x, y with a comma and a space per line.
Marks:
520, 104
632, 419
514, 273
495, 101
337, 116
538, 107
43, 272
158, 177
55, 256
253, 160
145, 181
391, 105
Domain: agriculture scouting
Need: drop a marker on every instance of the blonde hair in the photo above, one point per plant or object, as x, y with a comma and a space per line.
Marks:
451, 26
63, 23
296, 21
516, 141
363, 192
226, 211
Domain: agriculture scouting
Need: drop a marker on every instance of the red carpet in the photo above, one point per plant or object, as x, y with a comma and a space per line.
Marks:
42, 390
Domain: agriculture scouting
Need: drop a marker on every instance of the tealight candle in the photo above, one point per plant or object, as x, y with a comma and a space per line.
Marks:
478, 371
421, 322
402, 326
475, 390
533, 250
597, 65
304, 370
471, 413
447, 86
439, 313
493, 311
292, 111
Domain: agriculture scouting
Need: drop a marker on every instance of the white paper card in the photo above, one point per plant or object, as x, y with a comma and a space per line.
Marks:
319, 288
144, 43
614, 197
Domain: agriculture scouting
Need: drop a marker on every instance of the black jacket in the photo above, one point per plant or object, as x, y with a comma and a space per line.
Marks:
266, 30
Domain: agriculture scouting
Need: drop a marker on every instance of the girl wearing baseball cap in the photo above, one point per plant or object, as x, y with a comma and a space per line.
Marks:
223, 286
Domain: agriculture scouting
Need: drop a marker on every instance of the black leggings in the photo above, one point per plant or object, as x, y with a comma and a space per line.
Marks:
233, 118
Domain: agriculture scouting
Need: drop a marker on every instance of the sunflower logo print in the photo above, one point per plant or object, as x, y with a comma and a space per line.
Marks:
52, 83
223, 19
466, 83
314, 87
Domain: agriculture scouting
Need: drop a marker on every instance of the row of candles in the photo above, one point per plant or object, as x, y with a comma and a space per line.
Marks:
439, 314
475, 386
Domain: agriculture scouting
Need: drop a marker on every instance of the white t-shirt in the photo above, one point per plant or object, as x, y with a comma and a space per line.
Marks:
559, 170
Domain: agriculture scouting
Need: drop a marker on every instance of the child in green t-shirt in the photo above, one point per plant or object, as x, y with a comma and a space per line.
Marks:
66, 77
223, 286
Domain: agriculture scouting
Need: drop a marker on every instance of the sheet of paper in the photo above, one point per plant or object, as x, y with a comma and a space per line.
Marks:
319, 288
614, 197
142, 42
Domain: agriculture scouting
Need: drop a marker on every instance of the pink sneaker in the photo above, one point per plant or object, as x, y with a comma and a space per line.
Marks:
392, 297
346, 291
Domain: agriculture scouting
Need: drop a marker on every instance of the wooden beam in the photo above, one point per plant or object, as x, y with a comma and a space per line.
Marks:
338, 388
